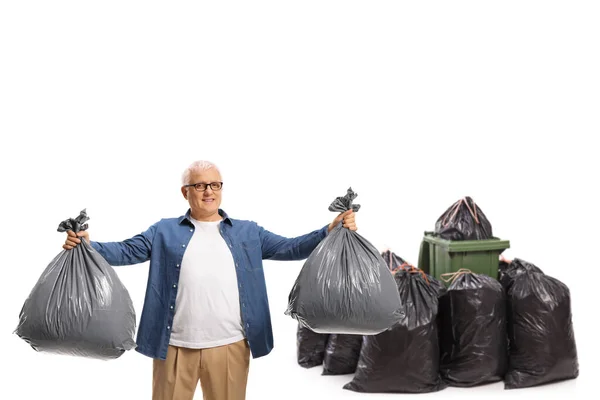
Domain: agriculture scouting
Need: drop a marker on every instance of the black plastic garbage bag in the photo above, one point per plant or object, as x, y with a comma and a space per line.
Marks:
438, 287
310, 347
473, 344
78, 306
436, 284
393, 260
396, 263
509, 271
341, 354
540, 330
404, 359
345, 286
502, 268
464, 220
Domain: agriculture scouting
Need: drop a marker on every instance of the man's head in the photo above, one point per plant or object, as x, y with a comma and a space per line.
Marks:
201, 187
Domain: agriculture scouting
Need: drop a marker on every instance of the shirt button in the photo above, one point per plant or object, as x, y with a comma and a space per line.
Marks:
183, 245
171, 307
168, 326
174, 286
177, 266
229, 245
191, 230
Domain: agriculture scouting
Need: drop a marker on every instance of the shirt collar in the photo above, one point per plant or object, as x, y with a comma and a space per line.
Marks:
222, 213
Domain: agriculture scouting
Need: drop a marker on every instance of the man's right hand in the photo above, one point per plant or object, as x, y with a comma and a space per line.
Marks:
73, 239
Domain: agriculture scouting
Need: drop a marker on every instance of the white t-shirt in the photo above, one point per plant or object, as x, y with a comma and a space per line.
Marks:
207, 308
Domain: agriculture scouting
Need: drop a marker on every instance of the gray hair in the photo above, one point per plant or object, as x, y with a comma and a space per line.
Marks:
196, 166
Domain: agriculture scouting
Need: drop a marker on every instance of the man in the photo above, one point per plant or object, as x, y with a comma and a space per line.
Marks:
206, 308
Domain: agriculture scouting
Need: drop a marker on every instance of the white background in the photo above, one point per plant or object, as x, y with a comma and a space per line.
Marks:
102, 106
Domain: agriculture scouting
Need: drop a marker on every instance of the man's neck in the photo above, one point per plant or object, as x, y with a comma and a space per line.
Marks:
207, 218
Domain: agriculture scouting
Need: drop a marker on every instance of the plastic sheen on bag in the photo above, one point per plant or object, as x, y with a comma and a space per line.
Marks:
78, 306
345, 286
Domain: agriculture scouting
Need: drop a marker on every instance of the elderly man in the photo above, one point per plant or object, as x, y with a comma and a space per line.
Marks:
206, 308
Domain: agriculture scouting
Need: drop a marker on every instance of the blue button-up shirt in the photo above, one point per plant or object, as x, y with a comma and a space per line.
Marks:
164, 244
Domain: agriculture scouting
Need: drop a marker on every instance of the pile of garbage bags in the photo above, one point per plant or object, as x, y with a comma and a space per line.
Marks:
464, 330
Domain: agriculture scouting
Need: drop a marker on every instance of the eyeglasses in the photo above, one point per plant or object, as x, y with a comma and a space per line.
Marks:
201, 187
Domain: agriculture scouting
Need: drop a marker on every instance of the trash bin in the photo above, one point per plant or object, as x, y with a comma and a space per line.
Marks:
438, 256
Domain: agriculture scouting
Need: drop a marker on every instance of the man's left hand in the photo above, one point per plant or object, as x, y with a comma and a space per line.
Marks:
347, 219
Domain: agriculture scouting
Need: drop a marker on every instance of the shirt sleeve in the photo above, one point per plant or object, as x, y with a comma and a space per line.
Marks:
130, 251
276, 247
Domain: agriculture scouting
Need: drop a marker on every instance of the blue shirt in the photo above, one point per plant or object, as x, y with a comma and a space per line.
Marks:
164, 244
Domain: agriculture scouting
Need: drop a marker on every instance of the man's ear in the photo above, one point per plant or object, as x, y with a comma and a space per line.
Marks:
184, 192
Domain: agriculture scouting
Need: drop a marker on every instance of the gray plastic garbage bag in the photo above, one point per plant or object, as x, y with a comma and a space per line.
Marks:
345, 286
79, 306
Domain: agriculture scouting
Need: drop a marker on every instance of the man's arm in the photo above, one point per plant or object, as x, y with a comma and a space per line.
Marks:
275, 247
130, 251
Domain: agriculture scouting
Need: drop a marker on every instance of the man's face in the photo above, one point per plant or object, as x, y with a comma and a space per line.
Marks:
204, 205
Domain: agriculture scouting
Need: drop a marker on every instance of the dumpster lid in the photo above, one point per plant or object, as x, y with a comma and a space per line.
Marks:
456, 246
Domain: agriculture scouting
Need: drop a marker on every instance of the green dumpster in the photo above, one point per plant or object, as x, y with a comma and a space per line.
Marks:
439, 256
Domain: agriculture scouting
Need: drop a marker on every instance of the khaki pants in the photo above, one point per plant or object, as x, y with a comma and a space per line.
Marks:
222, 371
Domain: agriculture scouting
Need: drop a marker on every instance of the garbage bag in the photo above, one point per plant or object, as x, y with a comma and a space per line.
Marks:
345, 286
393, 260
502, 267
405, 358
78, 306
341, 354
436, 284
310, 347
438, 287
473, 344
464, 220
508, 272
542, 345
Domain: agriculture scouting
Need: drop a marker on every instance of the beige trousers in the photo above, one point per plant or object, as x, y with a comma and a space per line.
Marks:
222, 371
